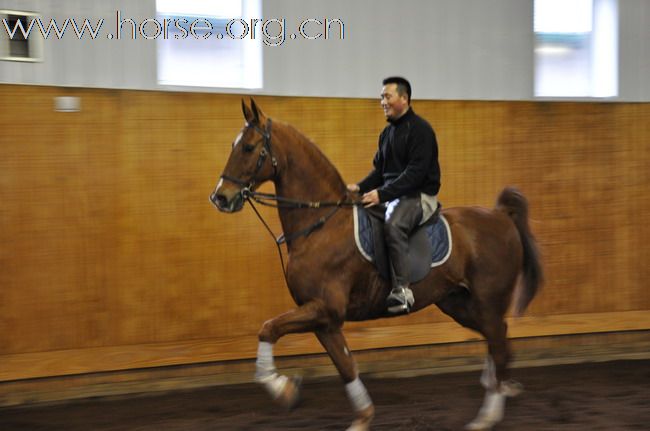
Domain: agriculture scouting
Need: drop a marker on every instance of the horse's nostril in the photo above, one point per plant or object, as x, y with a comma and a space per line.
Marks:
218, 199
221, 201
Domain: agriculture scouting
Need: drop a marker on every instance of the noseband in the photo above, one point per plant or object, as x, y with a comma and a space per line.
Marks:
264, 153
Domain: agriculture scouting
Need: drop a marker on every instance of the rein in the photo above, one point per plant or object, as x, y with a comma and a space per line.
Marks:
282, 202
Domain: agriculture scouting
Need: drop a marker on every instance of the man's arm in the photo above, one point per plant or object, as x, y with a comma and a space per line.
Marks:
371, 182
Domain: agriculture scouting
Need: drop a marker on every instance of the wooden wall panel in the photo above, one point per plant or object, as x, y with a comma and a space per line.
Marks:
110, 247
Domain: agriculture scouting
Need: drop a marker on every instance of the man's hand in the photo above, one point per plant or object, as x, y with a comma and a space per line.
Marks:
370, 199
354, 188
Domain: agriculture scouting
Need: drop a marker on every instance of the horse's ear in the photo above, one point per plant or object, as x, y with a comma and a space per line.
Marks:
257, 112
248, 114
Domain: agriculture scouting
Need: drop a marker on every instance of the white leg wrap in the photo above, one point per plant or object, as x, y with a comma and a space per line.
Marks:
489, 375
358, 395
265, 368
265, 373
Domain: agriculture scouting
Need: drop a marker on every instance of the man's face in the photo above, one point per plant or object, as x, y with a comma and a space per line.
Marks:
392, 103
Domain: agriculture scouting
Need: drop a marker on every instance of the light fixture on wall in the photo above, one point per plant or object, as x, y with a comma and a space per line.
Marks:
67, 104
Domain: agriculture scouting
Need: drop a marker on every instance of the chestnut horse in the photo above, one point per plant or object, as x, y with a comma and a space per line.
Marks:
330, 282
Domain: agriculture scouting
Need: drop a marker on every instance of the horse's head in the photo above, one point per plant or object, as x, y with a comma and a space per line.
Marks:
250, 164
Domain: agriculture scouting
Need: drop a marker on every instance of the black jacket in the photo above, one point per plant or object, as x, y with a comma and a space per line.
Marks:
406, 161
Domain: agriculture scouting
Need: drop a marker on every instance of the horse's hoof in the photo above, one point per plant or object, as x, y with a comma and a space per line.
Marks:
290, 395
491, 412
511, 388
364, 417
485, 420
480, 425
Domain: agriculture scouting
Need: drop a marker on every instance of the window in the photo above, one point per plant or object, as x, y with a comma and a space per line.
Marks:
209, 44
576, 48
18, 41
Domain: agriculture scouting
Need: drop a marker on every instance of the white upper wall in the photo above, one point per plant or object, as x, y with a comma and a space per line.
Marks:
448, 49
634, 50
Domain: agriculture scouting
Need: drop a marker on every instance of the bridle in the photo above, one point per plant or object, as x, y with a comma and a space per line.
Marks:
264, 153
250, 195
264, 198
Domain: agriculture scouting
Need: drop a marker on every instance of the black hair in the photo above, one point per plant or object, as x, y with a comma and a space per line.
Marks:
403, 86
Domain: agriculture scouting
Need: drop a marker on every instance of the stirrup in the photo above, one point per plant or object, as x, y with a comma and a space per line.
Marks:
400, 300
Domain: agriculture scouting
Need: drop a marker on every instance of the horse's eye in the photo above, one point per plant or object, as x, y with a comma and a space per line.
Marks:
248, 148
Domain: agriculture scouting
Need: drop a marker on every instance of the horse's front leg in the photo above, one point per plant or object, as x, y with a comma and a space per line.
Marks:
334, 342
307, 318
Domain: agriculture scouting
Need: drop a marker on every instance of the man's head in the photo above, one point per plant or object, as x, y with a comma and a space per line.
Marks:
395, 97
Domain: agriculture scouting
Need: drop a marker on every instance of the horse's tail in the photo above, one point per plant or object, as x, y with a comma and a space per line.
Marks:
515, 204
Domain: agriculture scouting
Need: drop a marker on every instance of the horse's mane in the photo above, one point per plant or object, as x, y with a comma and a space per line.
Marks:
326, 169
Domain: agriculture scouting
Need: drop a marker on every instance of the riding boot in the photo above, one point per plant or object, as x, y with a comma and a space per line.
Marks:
400, 300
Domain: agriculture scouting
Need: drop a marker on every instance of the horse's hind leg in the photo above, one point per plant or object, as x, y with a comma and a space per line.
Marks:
495, 371
334, 342
495, 377
489, 321
306, 318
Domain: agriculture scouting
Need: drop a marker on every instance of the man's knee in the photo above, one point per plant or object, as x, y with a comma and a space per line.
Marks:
393, 228
403, 218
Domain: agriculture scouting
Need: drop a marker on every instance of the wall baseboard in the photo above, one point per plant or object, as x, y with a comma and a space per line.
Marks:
387, 362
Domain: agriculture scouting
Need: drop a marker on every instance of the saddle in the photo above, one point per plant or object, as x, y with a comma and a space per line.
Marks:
429, 244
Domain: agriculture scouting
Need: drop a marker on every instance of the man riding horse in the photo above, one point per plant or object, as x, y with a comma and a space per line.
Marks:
403, 184
328, 277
